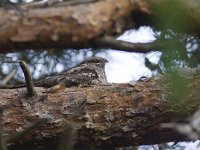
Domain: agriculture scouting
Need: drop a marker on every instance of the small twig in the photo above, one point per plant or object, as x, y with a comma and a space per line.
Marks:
7, 78
28, 79
35, 125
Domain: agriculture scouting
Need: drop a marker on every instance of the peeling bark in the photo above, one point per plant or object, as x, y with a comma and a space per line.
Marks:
65, 27
77, 26
104, 116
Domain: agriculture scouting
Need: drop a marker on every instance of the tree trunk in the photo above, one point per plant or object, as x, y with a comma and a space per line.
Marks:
104, 117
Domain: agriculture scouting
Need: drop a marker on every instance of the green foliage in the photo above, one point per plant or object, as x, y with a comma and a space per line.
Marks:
174, 54
172, 15
178, 55
179, 92
172, 28
180, 50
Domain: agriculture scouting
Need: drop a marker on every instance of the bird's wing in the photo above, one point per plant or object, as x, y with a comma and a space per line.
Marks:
84, 77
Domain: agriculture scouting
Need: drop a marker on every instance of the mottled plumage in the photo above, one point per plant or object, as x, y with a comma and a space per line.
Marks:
89, 72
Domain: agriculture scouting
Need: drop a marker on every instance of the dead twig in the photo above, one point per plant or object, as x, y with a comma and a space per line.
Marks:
28, 79
7, 78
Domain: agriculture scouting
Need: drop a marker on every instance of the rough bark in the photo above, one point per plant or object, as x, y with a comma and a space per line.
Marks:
104, 117
65, 27
81, 25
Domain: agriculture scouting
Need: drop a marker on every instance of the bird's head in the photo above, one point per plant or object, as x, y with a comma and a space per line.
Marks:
99, 61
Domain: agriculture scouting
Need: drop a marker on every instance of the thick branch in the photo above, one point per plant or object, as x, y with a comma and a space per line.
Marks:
71, 26
77, 26
112, 115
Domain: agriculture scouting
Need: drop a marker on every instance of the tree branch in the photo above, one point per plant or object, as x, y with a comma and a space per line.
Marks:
75, 26
71, 26
115, 115
110, 42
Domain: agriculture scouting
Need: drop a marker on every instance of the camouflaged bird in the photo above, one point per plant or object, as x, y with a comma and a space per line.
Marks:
89, 72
